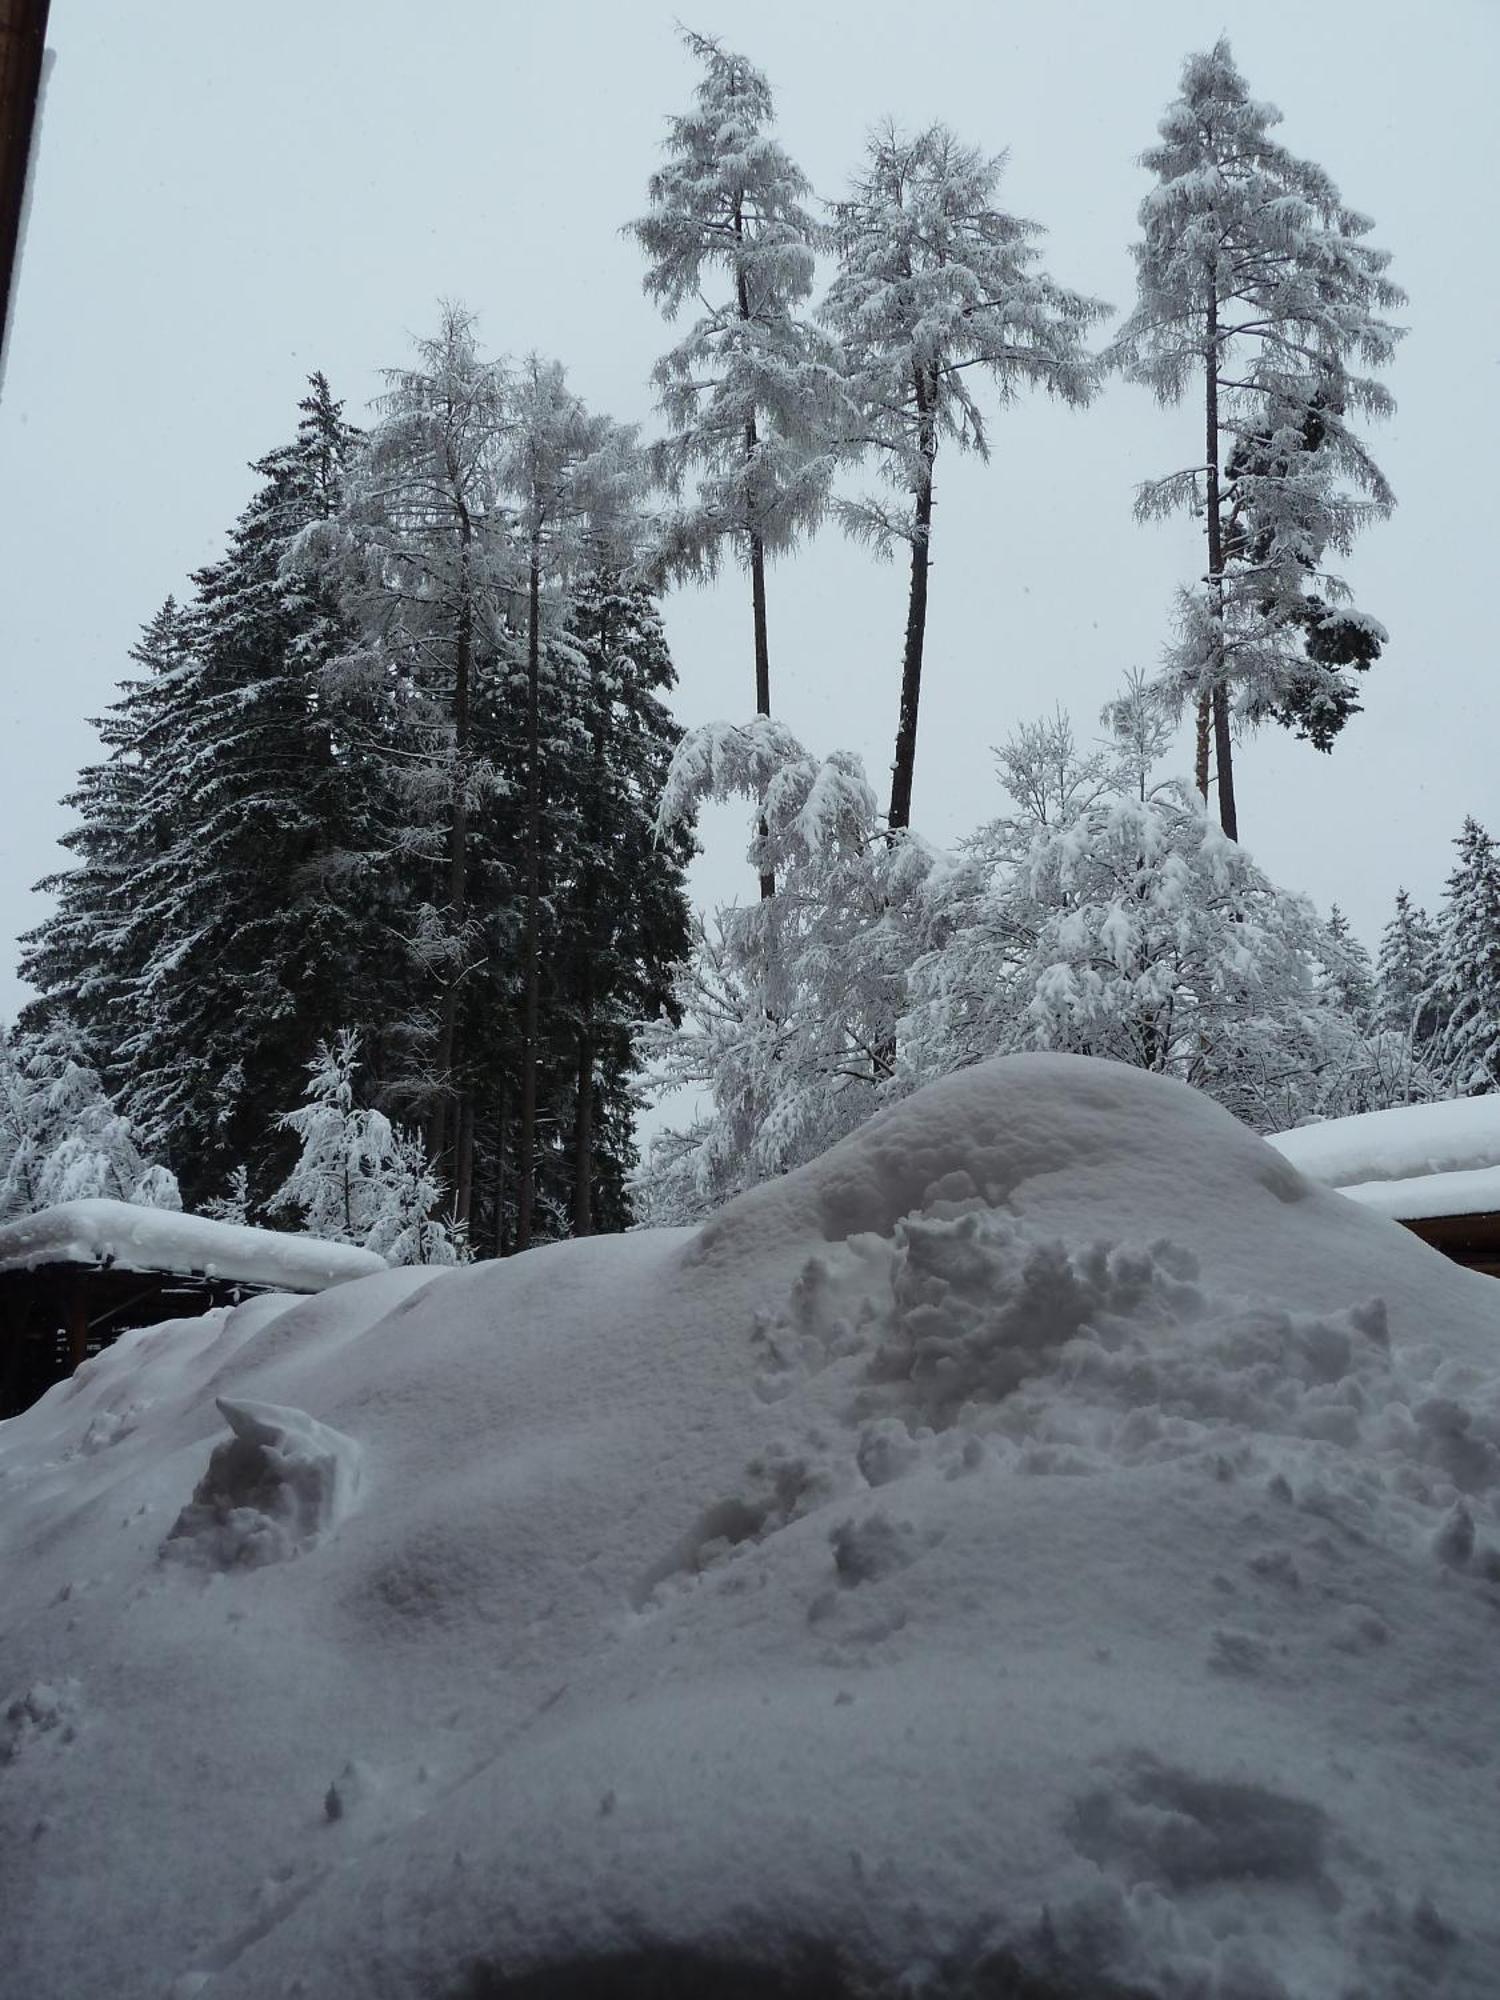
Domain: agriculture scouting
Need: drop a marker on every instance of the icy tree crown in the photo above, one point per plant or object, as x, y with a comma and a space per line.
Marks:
935, 281
728, 196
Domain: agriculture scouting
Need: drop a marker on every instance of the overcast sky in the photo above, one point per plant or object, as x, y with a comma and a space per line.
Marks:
228, 197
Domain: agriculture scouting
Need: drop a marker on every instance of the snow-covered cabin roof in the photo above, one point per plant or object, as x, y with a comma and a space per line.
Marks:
1412, 1162
125, 1237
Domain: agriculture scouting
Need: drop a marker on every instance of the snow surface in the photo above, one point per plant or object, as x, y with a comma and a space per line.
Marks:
1410, 1142
1048, 1534
133, 1238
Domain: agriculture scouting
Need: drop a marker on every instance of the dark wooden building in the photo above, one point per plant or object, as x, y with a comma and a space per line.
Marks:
74, 1278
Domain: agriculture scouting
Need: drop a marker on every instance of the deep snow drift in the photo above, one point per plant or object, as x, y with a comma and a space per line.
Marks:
1045, 1536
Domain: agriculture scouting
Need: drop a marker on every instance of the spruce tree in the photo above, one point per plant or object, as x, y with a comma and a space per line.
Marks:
1256, 287
336, 1184
934, 283
749, 394
423, 562
1348, 978
1405, 973
574, 480
1464, 993
85, 956
627, 918
358, 1179
249, 954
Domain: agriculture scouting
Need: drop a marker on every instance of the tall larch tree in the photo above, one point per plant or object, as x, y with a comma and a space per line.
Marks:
1257, 292
937, 287
750, 395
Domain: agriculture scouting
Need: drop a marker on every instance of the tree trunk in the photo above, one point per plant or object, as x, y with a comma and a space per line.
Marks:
502, 1128
762, 650
916, 622
583, 1134
1229, 817
463, 1192
757, 548
1200, 760
583, 1110
458, 869
1223, 743
531, 939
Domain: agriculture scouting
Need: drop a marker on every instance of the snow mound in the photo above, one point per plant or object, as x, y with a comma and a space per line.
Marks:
1047, 1545
277, 1483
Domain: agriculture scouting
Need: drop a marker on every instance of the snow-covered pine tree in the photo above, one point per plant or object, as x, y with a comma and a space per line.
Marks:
85, 956
358, 1178
422, 558
60, 1137
936, 282
1405, 973
406, 1228
1256, 287
622, 929
235, 1204
1275, 482
1109, 916
750, 394
336, 1182
196, 945
1464, 994
253, 948
1348, 977
574, 480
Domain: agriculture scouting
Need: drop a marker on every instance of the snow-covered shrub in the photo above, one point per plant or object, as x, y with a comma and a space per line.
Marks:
1106, 915
790, 1006
60, 1137
360, 1179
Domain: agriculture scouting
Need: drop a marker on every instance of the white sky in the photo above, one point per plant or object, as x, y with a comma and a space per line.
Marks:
229, 197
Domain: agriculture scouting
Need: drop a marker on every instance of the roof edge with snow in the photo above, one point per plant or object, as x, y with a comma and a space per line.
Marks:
122, 1236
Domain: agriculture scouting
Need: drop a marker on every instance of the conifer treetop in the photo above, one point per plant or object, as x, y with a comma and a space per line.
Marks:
935, 281
728, 197
1239, 222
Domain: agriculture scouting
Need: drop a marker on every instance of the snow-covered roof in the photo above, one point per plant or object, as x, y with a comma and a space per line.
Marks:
885, 1573
1474, 1191
131, 1238
1412, 1162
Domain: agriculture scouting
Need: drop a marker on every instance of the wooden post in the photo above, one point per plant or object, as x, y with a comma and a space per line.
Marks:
78, 1321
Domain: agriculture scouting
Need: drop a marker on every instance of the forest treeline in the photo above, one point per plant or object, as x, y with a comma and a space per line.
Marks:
393, 815
392, 770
